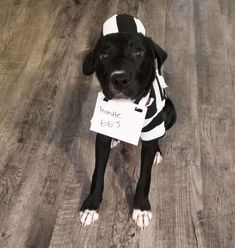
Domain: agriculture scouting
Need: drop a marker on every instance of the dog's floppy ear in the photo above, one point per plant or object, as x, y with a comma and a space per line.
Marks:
88, 64
160, 54
90, 59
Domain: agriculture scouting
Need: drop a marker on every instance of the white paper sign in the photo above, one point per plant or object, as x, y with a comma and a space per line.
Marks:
119, 119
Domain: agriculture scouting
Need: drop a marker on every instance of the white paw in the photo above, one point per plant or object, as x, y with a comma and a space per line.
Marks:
158, 158
142, 218
88, 216
114, 143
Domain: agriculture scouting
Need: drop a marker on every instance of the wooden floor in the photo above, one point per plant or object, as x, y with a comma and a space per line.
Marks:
47, 150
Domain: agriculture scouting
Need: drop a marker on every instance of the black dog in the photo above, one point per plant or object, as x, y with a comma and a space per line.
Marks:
125, 64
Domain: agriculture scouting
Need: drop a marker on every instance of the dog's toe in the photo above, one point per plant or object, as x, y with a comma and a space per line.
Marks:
158, 158
114, 143
88, 216
142, 218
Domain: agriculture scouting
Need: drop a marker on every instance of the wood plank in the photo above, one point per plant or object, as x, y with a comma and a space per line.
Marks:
180, 35
216, 101
29, 199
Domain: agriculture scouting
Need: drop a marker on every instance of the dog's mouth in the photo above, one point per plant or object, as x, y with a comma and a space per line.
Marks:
120, 96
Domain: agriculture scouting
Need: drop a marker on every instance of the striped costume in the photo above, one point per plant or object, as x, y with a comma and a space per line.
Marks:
154, 126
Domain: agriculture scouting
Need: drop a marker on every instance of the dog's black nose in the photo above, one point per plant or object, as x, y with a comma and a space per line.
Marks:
119, 80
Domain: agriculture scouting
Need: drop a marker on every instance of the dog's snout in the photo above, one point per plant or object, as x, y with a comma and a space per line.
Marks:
119, 80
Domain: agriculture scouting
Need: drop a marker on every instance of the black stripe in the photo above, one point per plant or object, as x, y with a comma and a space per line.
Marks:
126, 23
164, 94
160, 88
156, 121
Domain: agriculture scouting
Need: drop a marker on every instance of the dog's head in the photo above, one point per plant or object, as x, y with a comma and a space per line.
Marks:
125, 64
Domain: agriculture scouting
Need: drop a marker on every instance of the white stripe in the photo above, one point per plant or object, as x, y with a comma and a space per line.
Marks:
154, 133
161, 80
110, 26
140, 26
144, 100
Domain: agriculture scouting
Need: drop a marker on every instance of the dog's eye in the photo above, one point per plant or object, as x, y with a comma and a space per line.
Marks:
104, 56
138, 53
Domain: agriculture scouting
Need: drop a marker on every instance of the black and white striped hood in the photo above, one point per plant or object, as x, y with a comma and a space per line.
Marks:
122, 23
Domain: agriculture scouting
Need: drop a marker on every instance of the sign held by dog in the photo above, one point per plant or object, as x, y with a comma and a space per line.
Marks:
119, 119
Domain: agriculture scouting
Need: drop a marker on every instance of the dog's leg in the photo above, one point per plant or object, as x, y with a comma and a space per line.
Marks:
89, 209
142, 210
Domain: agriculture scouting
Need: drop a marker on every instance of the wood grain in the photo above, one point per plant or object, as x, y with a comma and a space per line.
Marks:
47, 150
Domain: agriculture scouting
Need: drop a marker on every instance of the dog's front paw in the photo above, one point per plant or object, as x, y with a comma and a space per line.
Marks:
158, 158
89, 210
88, 217
142, 218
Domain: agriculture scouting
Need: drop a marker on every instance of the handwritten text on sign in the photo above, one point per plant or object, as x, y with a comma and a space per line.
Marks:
119, 119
